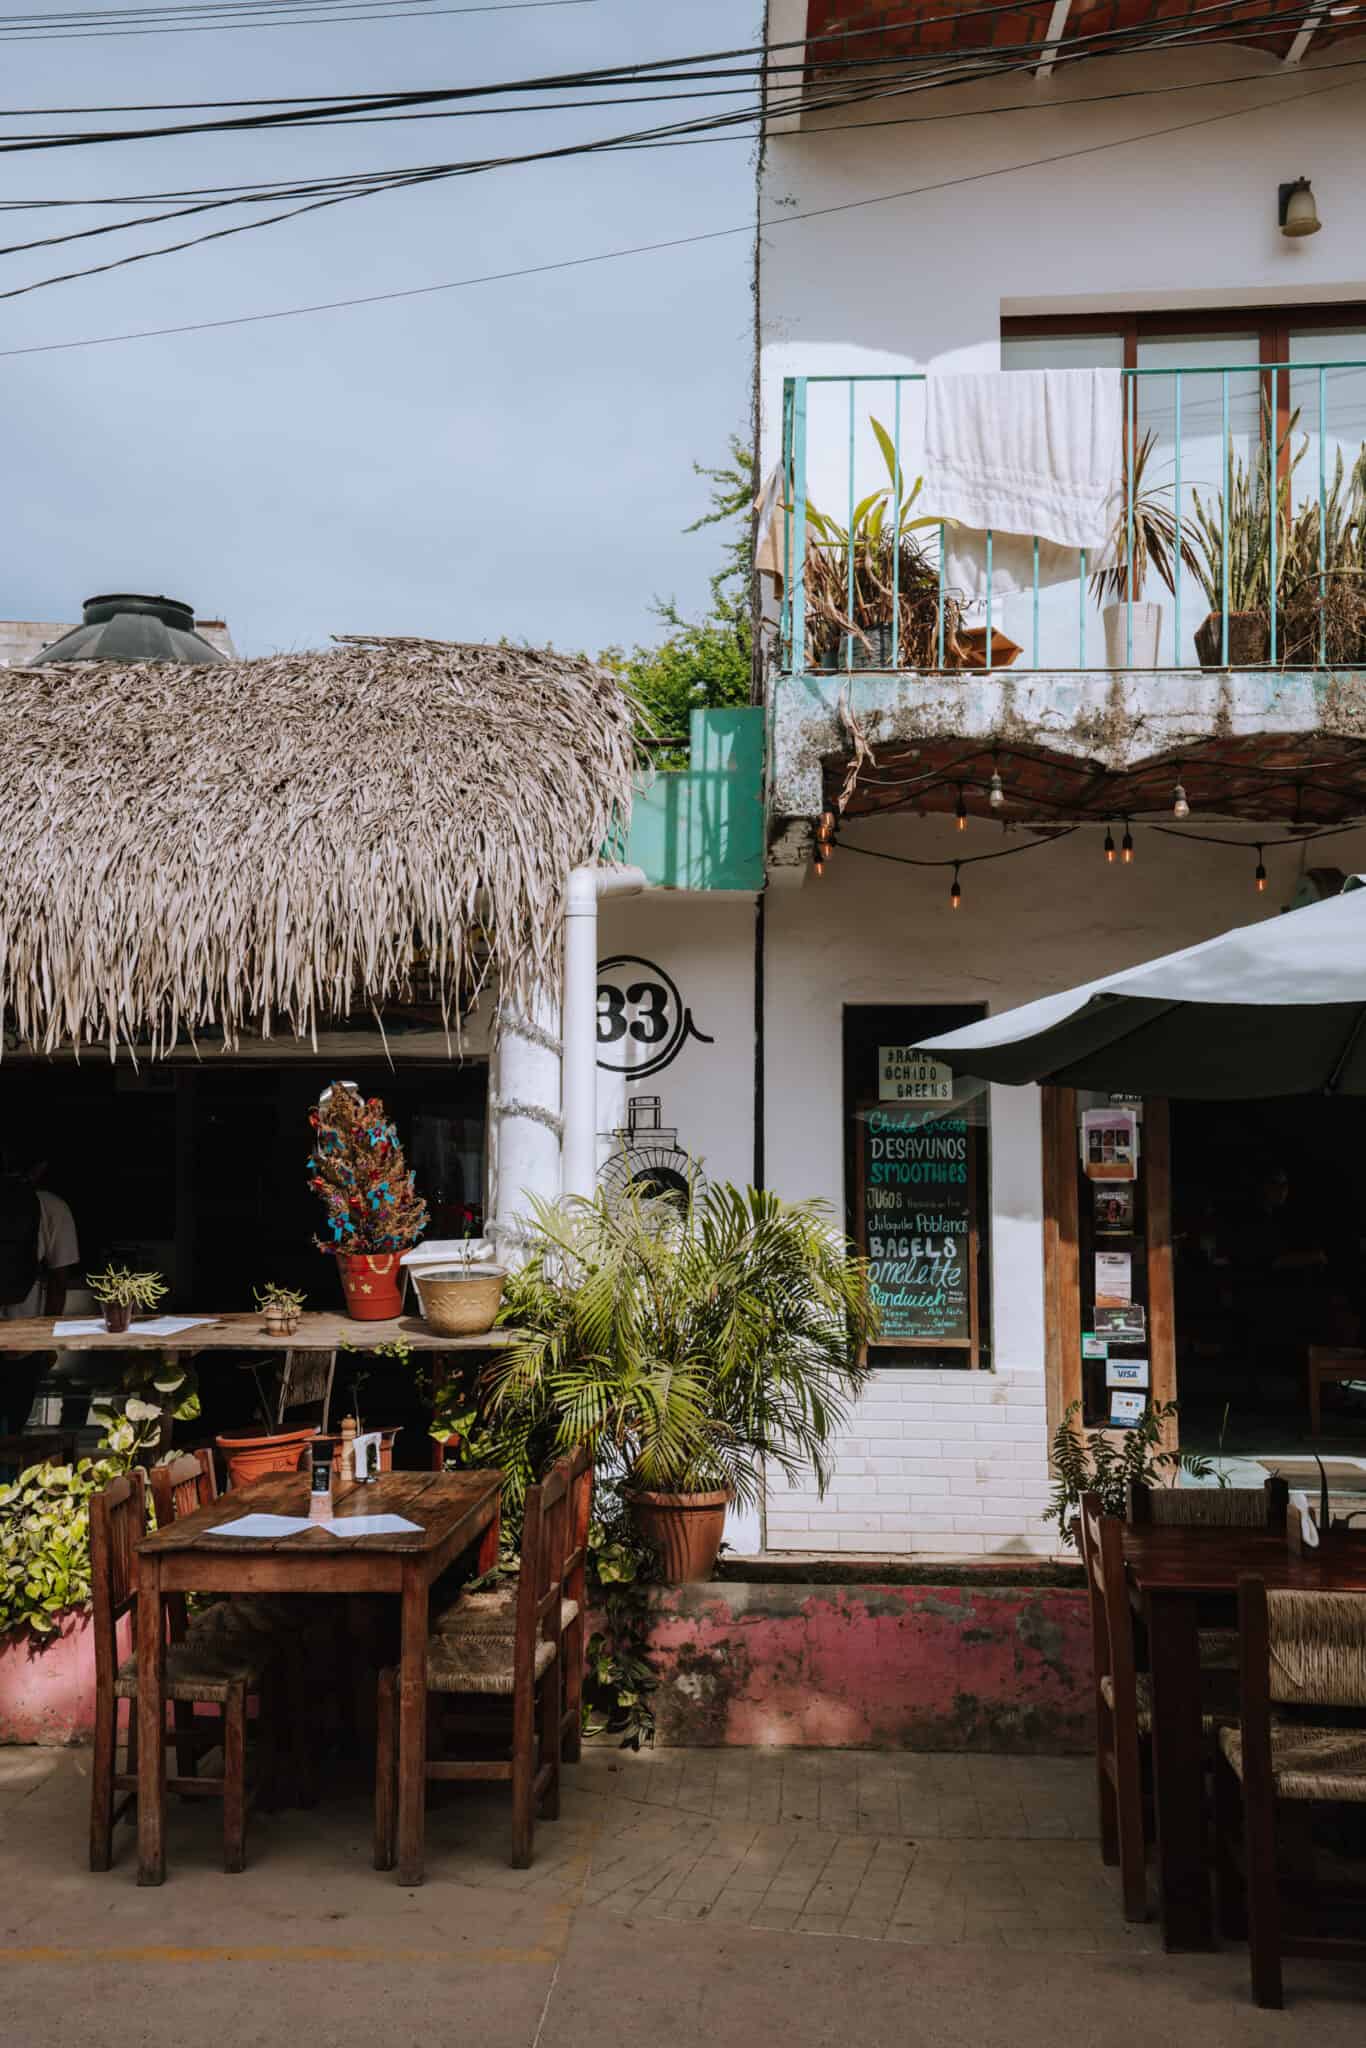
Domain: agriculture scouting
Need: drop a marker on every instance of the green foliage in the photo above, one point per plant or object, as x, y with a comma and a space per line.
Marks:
152, 1382
618, 1678
123, 1288
1247, 510
856, 576
687, 1345
1152, 507
1092, 1462
45, 1530
701, 664
271, 1299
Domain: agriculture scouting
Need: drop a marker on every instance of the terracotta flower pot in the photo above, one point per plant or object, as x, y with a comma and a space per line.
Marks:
370, 1283
251, 1457
685, 1528
460, 1304
117, 1315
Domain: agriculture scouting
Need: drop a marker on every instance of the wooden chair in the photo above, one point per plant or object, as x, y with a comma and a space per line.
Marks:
305, 1382
521, 1669
1123, 1706
1213, 1507
494, 1613
200, 1671
1300, 1651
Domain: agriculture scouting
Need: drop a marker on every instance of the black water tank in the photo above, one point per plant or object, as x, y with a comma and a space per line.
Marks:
125, 627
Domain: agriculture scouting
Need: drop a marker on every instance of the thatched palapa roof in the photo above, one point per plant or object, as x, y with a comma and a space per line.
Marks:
184, 848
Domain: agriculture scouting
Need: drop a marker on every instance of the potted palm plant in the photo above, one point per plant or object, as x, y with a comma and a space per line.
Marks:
1144, 537
688, 1344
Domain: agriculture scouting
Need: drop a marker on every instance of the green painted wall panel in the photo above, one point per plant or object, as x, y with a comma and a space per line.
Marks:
702, 827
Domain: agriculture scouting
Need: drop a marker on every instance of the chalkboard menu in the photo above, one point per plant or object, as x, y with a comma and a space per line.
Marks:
917, 1223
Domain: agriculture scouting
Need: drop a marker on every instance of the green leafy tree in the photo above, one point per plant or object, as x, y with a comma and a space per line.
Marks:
702, 664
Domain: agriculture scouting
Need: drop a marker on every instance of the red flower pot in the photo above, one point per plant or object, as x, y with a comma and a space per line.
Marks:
370, 1283
254, 1455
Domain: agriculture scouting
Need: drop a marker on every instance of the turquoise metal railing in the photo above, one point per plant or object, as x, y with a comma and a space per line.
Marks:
1236, 522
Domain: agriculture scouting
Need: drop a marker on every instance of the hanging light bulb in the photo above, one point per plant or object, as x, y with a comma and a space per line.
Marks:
996, 794
1180, 807
1126, 847
1109, 847
825, 827
956, 892
961, 814
1260, 876
818, 859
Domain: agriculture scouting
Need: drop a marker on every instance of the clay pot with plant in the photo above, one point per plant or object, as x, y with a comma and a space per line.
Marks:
120, 1292
860, 578
689, 1344
1144, 537
374, 1212
281, 1308
1233, 539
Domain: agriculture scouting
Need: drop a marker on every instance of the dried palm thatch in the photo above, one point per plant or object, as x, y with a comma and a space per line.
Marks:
295, 837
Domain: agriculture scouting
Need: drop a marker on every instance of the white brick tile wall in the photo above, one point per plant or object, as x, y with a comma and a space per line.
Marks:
935, 1462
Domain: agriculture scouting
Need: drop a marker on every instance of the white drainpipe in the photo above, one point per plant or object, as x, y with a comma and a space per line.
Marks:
579, 1060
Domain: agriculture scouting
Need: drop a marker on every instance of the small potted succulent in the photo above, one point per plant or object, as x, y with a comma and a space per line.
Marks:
281, 1308
119, 1291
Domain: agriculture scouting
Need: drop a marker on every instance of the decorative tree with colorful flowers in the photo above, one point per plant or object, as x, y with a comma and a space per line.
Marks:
358, 1170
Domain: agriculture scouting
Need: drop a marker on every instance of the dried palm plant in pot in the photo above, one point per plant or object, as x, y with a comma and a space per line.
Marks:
1322, 580
687, 1344
1144, 536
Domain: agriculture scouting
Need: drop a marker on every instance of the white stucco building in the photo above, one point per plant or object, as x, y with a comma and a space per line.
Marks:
1085, 199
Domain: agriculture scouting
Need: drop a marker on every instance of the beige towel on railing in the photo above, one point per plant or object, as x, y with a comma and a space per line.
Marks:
1024, 453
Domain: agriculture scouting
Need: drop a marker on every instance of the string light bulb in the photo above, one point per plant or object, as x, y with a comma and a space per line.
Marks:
1126, 847
1180, 807
1260, 877
961, 814
1109, 847
996, 794
956, 892
825, 827
818, 858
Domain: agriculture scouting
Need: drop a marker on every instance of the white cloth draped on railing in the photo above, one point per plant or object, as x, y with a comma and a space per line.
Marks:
1027, 455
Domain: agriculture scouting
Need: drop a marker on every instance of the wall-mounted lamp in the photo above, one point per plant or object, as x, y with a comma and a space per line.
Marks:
1298, 213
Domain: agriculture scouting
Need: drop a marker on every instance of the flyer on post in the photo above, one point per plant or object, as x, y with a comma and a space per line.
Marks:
1109, 1144
1127, 1325
1114, 1279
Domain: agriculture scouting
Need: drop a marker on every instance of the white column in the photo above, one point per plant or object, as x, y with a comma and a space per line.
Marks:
524, 1120
579, 1068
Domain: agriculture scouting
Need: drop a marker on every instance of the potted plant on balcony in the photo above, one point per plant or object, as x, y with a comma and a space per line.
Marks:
858, 578
1144, 537
687, 1343
120, 1291
374, 1211
1238, 524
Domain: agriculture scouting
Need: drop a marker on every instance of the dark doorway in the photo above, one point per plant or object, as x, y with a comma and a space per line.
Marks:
1268, 1231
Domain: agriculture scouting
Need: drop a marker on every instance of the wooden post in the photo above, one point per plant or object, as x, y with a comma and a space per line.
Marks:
412, 1723
150, 1708
1156, 1168
1062, 1278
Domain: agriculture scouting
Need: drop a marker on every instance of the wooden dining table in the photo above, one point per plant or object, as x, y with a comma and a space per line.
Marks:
1182, 1580
453, 1511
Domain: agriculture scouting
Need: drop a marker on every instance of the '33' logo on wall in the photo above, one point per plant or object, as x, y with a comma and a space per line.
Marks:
643, 1022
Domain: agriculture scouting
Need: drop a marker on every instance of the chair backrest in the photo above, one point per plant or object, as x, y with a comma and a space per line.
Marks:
306, 1381
17, 1453
118, 1522
187, 1483
1112, 1629
578, 1472
540, 1582
1213, 1507
1316, 1648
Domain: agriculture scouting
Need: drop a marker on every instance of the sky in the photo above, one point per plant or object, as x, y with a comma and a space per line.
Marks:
511, 459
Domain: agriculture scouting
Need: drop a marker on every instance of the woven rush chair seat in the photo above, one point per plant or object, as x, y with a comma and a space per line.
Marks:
199, 1670
478, 1663
1211, 1723
492, 1613
1310, 1763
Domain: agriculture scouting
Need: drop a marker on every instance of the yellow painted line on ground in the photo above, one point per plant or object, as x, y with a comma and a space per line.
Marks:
273, 1952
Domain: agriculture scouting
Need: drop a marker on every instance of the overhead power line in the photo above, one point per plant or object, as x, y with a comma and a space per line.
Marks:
652, 248
251, 14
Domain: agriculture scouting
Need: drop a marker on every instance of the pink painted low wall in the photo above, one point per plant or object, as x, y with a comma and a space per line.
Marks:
47, 1689
966, 1666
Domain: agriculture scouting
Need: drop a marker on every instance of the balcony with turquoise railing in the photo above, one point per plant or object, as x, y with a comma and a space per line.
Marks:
1228, 606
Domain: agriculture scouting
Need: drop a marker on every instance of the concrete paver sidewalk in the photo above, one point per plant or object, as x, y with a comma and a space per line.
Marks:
682, 1895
